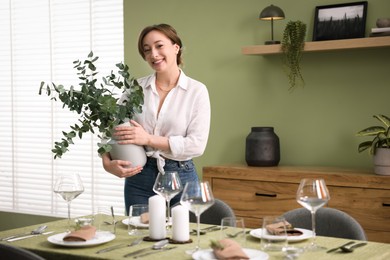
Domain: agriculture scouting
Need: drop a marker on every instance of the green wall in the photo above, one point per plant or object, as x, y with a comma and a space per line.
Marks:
316, 124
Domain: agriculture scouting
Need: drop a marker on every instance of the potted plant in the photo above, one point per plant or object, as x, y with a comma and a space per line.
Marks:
97, 105
292, 44
379, 146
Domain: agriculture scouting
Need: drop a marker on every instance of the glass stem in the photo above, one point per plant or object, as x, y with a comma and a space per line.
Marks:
313, 224
197, 232
68, 202
168, 213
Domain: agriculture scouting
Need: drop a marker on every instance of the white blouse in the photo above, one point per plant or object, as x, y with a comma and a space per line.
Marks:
184, 117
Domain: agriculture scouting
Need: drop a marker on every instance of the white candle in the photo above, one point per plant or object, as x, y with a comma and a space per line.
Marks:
157, 217
180, 224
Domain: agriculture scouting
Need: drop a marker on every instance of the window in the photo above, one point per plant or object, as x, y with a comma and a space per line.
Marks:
40, 41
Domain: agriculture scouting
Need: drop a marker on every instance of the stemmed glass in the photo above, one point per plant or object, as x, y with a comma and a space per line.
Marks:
68, 187
197, 197
313, 194
167, 185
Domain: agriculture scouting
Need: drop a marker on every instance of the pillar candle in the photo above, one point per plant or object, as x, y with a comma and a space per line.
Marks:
180, 224
157, 217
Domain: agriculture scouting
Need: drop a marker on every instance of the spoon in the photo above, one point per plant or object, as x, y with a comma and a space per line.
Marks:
349, 249
235, 234
157, 246
36, 231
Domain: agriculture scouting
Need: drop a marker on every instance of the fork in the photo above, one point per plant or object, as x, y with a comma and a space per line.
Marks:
336, 248
134, 243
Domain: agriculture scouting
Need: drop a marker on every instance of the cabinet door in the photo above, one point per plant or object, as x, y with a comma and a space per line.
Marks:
255, 199
370, 207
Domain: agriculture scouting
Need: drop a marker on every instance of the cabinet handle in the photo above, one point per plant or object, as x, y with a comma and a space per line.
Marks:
385, 204
265, 195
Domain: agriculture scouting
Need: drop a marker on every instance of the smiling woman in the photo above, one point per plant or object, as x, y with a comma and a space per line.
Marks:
40, 39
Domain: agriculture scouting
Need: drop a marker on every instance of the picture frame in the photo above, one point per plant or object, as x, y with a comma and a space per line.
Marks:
340, 21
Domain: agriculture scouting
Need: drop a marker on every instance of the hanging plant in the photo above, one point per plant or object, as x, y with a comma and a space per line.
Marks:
292, 45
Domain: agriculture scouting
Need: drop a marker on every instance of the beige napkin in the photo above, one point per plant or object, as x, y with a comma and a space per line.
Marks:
231, 250
277, 229
145, 218
83, 234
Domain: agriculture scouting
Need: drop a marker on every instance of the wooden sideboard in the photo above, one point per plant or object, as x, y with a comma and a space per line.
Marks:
254, 192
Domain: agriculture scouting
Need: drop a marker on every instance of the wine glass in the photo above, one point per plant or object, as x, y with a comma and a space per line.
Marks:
197, 197
167, 185
68, 187
313, 194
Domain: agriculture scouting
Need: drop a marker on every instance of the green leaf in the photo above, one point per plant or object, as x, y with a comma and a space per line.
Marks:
371, 131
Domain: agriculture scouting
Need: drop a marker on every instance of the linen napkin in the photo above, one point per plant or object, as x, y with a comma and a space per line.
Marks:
228, 249
145, 218
277, 229
83, 234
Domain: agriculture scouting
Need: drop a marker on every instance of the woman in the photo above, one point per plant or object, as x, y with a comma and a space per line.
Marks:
175, 121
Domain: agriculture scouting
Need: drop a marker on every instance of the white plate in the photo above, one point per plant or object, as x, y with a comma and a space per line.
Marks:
305, 235
135, 221
101, 237
207, 254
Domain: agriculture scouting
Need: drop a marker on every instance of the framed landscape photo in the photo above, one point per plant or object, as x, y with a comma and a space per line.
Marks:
340, 21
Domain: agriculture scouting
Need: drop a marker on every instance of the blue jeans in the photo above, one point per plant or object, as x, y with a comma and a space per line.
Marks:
139, 187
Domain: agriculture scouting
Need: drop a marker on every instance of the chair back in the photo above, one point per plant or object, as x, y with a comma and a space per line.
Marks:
17, 253
214, 214
330, 222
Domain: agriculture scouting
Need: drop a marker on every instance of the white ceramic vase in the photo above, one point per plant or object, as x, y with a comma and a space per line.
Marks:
128, 152
382, 161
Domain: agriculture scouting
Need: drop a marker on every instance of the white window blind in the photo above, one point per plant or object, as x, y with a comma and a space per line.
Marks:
40, 40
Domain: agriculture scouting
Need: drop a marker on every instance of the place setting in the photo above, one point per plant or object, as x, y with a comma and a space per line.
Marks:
86, 231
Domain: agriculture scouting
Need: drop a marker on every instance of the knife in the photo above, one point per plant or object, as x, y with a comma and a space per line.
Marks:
154, 252
28, 236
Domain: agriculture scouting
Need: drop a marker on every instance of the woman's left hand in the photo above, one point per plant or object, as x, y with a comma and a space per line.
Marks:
134, 134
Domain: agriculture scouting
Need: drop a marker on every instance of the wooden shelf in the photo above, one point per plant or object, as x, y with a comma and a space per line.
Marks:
360, 43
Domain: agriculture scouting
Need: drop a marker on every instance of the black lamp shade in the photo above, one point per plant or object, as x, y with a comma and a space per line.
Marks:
272, 12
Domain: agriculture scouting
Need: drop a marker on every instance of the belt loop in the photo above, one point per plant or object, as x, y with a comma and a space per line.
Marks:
181, 164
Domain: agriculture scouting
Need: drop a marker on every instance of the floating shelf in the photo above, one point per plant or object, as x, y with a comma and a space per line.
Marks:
359, 43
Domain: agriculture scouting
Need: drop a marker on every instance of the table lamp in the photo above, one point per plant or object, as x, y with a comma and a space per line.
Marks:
271, 13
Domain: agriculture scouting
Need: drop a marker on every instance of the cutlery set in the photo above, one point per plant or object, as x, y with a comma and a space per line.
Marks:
205, 230
347, 247
36, 232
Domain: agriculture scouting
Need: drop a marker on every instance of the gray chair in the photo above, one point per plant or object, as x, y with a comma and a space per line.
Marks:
17, 253
214, 214
330, 222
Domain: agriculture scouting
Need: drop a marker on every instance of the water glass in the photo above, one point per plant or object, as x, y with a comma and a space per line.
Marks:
271, 241
136, 227
104, 219
234, 228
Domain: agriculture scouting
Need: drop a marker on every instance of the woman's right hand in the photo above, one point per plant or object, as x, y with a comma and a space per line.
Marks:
119, 168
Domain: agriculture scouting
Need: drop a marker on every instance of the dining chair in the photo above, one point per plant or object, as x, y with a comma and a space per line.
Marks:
17, 253
214, 214
330, 222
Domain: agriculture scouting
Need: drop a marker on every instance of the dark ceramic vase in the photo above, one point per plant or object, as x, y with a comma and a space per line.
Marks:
262, 147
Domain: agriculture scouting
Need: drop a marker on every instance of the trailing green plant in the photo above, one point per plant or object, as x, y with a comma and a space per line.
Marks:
96, 103
293, 42
381, 135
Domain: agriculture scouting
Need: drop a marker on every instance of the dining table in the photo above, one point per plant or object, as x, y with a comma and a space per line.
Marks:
41, 245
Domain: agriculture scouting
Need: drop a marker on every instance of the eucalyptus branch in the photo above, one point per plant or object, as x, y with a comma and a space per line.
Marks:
96, 105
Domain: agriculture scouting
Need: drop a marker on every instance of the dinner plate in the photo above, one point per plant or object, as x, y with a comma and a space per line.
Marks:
305, 235
207, 254
101, 237
135, 221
